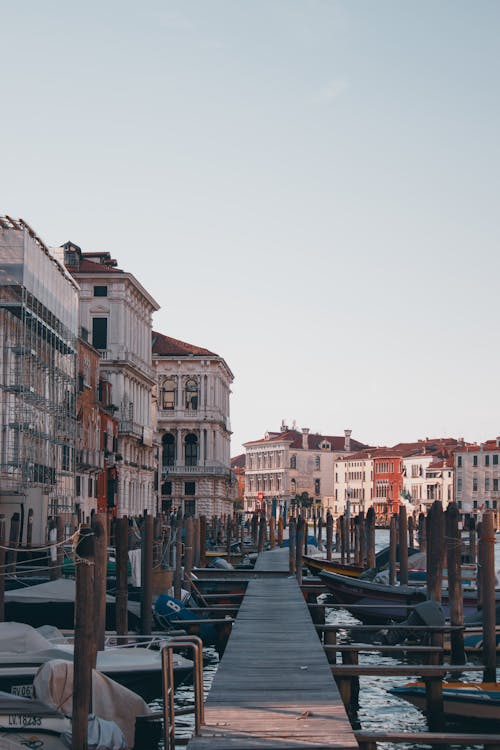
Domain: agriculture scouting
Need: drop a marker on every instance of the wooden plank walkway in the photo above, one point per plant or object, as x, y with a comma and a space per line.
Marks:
273, 688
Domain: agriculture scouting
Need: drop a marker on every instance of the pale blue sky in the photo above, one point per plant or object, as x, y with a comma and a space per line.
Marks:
310, 189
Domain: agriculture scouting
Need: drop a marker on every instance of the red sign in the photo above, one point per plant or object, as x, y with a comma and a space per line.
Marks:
260, 495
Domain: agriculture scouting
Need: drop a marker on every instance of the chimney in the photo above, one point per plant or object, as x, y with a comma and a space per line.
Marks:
347, 440
305, 438
498, 442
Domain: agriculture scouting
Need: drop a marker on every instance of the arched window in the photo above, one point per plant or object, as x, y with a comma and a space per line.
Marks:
191, 450
168, 394
293, 462
168, 442
192, 395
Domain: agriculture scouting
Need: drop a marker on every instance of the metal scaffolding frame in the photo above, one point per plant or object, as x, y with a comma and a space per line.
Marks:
38, 359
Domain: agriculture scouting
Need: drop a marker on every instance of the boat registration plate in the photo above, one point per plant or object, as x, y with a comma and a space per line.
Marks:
24, 691
24, 720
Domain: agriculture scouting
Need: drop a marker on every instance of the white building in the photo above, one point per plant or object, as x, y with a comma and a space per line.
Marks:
477, 479
116, 317
353, 483
287, 467
193, 428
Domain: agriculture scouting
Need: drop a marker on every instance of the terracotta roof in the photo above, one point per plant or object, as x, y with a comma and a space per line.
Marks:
167, 346
239, 462
91, 266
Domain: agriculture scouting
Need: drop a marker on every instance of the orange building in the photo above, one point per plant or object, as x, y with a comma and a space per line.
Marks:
387, 483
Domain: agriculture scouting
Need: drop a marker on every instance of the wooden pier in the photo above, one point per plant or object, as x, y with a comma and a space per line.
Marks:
273, 687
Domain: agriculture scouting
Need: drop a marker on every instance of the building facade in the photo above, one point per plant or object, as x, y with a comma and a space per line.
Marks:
477, 479
116, 318
38, 427
193, 428
290, 469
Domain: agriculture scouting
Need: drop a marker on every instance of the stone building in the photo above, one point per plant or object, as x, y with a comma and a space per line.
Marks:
477, 479
193, 428
116, 318
289, 468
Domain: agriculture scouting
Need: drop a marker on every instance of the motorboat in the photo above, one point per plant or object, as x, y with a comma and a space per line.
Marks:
461, 700
387, 602
53, 603
24, 649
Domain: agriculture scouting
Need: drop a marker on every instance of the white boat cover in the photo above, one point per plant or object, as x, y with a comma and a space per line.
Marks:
59, 590
53, 684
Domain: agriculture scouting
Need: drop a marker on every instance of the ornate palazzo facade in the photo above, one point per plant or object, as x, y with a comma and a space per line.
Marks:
193, 428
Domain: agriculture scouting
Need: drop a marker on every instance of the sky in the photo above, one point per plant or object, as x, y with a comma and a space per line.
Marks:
308, 188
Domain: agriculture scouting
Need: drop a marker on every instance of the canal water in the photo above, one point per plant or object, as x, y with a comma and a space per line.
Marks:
378, 709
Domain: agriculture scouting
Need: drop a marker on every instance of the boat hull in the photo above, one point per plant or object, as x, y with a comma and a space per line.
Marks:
460, 701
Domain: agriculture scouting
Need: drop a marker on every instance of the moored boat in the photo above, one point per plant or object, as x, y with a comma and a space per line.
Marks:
478, 701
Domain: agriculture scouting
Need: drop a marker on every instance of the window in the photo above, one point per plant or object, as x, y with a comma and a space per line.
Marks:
190, 488
293, 462
317, 485
191, 450
65, 457
474, 484
495, 459
189, 507
168, 441
486, 484
192, 395
100, 291
474, 460
77, 487
495, 485
168, 395
166, 488
317, 460
487, 460
100, 333
459, 461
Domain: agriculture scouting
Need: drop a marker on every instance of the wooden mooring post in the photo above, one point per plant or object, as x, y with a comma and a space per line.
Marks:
453, 561
487, 544
84, 647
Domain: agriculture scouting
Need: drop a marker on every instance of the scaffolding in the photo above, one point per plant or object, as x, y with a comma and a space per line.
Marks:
38, 353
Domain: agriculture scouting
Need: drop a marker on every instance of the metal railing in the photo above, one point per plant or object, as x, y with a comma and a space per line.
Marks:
167, 663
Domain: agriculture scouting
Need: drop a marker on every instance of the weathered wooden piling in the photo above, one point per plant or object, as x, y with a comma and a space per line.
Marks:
84, 648
393, 543
403, 545
178, 557
147, 574
292, 539
203, 541
455, 593
99, 528
121, 543
262, 533
435, 556
280, 531
487, 545
188, 551
329, 535
301, 532
422, 532
370, 537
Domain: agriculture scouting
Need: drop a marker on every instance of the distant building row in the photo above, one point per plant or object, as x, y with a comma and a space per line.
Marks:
293, 468
97, 411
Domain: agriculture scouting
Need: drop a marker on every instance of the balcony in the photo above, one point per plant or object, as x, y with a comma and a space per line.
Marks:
176, 471
129, 427
90, 460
